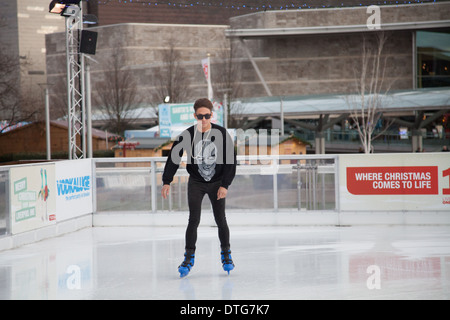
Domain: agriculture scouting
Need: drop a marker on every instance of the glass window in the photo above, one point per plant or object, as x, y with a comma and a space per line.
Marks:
433, 59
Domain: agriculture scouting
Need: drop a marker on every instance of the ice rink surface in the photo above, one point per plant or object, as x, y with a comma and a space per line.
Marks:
271, 263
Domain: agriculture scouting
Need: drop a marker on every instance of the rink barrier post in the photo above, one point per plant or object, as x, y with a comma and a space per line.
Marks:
153, 186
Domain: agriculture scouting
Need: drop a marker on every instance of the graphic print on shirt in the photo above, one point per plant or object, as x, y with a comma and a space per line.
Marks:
206, 159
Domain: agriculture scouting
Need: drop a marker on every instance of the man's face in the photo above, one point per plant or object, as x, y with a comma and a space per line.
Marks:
201, 114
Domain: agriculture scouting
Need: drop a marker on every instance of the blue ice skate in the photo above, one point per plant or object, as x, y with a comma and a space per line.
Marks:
186, 266
227, 262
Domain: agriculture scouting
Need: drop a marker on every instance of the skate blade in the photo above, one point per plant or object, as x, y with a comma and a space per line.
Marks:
228, 268
182, 275
183, 272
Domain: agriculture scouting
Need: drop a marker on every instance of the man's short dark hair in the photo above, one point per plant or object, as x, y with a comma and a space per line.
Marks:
203, 103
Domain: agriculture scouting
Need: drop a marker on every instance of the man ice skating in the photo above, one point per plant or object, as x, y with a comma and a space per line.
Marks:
211, 164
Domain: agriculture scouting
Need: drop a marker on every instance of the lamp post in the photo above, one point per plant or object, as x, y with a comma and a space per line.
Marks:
47, 119
88, 108
47, 125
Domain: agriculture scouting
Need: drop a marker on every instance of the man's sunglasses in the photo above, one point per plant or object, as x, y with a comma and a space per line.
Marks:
201, 116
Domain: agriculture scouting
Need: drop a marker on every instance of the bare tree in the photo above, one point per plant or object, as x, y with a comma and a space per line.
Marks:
171, 78
58, 98
116, 94
371, 88
16, 104
227, 78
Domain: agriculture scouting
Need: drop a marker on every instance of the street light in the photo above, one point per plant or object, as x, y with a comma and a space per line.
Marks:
45, 86
57, 8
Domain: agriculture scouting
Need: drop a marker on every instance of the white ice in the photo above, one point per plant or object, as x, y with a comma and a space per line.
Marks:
271, 263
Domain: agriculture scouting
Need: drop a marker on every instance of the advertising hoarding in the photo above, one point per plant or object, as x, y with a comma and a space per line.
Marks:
395, 182
33, 197
73, 188
179, 115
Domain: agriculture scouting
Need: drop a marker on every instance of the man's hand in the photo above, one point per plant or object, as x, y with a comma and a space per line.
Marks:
165, 191
222, 193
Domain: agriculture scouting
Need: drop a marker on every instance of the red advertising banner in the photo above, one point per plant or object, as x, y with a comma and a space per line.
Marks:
446, 173
393, 180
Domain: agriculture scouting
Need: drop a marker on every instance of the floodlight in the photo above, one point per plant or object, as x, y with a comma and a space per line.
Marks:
57, 8
63, 7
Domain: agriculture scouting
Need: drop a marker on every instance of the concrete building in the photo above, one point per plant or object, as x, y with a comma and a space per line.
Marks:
203, 12
23, 27
317, 51
320, 52
282, 53
296, 52
143, 50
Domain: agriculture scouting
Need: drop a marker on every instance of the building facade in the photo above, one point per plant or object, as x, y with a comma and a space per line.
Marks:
277, 53
142, 52
287, 52
207, 12
23, 26
319, 51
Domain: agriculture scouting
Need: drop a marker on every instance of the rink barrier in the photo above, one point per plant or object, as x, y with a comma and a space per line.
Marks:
39, 201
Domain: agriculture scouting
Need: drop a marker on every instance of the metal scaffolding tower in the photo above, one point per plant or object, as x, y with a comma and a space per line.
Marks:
75, 85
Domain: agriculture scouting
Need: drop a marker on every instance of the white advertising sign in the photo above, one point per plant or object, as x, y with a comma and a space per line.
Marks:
395, 182
73, 188
33, 197
179, 115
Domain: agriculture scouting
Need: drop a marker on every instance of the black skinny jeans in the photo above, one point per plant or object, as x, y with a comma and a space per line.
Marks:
196, 192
